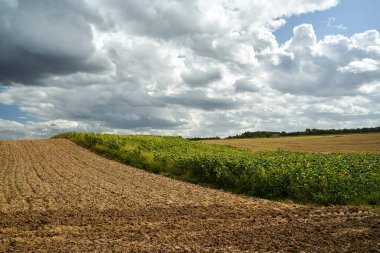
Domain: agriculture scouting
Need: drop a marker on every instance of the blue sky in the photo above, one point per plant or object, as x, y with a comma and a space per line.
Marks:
354, 15
13, 113
113, 66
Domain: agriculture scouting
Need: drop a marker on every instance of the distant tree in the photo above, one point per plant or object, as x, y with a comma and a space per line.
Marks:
308, 131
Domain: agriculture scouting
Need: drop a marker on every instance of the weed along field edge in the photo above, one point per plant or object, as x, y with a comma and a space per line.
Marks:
320, 178
56, 196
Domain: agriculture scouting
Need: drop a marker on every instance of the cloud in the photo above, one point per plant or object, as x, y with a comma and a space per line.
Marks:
333, 66
364, 65
190, 68
110, 107
44, 38
32, 130
196, 77
160, 19
331, 24
198, 99
246, 85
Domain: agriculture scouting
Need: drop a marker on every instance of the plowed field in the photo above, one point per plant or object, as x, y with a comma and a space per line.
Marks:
352, 143
58, 197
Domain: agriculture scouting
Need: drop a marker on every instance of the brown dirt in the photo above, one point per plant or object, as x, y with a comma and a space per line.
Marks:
355, 143
58, 197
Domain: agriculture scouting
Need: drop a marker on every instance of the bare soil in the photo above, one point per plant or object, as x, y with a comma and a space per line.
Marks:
353, 143
58, 197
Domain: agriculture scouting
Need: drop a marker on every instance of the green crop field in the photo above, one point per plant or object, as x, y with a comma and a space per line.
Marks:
333, 178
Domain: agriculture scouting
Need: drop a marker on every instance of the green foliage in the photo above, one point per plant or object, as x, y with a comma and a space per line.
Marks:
336, 178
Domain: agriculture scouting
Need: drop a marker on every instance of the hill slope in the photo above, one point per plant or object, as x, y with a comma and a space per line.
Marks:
56, 196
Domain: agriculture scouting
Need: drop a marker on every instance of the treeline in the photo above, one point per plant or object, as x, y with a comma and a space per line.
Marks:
267, 134
204, 138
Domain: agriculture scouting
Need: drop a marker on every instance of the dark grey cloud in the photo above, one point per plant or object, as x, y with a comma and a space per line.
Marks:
42, 38
246, 85
143, 122
162, 19
199, 100
197, 77
119, 106
129, 110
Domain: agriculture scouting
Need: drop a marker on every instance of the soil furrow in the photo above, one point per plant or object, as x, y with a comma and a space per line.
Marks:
58, 176
79, 187
53, 183
36, 178
95, 165
22, 178
13, 194
4, 163
90, 174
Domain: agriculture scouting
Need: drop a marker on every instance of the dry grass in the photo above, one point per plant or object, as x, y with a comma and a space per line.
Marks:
330, 143
57, 197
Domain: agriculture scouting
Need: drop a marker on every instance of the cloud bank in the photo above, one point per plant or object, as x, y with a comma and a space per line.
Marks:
191, 68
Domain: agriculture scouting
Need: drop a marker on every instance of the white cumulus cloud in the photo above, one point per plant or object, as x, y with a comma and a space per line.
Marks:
364, 65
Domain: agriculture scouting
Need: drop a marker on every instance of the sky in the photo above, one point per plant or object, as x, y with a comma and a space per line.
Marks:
187, 67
